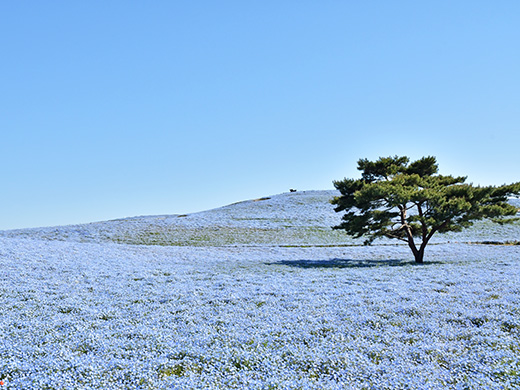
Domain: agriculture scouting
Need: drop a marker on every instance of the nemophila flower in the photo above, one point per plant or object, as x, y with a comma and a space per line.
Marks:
110, 317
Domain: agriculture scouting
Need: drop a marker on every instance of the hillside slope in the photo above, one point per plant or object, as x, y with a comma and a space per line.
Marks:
298, 218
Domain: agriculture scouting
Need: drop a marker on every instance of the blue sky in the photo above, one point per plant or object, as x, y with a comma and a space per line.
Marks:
124, 108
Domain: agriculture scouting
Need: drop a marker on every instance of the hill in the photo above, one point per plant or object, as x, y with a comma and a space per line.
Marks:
292, 219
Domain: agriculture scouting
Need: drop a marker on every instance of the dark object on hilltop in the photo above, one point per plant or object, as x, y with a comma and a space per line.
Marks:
402, 200
292, 190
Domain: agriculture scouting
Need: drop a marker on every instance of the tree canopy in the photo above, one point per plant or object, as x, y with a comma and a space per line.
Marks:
407, 201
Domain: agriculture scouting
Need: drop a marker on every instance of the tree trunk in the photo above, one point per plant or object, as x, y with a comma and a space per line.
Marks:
419, 256
417, 253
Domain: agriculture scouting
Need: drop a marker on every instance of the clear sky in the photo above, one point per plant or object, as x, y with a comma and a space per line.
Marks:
114, 109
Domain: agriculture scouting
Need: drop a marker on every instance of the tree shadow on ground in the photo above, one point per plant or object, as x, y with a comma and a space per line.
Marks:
351, 263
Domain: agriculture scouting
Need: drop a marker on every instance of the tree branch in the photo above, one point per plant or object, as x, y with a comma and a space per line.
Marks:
435, 229
389, 235
424, 228
408, 230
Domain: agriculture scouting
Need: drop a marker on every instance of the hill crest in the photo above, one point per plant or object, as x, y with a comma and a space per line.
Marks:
302, 218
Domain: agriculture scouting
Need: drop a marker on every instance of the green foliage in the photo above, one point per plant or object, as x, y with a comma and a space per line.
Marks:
398, 199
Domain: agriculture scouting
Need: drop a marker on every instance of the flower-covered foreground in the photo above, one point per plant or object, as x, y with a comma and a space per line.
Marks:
108, 316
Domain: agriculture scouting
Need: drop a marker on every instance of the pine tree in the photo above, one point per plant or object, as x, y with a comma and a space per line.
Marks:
407, 201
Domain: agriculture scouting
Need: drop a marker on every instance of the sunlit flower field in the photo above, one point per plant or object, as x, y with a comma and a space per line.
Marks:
109, 315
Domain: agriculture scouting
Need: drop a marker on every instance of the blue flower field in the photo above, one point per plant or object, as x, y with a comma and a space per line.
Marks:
95, 307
